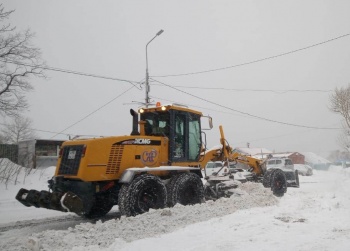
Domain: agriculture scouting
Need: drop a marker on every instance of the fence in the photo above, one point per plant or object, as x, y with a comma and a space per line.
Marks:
9, 151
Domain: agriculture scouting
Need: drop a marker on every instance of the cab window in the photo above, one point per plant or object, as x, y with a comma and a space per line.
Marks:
194, 138
289, 162
157, 124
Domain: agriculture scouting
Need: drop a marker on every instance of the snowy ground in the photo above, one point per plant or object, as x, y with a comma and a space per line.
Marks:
315, 216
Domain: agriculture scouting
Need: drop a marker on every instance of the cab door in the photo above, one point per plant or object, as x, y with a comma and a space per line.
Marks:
185, 136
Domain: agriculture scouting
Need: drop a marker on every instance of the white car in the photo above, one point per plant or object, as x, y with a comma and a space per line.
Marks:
218, 168
287, 166
284, 164
212, 167
304, 170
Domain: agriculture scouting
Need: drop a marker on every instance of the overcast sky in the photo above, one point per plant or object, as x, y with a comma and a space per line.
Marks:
108, 38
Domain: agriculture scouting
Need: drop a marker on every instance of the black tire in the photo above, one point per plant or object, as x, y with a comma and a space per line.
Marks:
170, 188
267, 178
100, 208
186, 189
122, 195
278, 183
144, 192
297, 178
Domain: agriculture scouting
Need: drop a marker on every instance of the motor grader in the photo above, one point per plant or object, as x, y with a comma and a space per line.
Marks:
158, 165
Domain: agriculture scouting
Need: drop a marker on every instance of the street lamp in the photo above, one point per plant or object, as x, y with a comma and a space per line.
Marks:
147, 76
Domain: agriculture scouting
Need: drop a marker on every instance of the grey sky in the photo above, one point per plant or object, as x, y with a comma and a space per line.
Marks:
108, 38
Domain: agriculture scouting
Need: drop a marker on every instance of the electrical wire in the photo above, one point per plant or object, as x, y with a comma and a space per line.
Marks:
201, 107
254, 61
51, 132
248, 114
99, 108
246, 90
37, 130
72, 72
241, 142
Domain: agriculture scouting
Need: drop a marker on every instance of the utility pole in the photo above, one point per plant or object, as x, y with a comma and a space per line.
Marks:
147, 101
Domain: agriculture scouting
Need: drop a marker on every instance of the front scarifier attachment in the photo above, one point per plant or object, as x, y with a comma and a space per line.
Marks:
65, 202
219, 186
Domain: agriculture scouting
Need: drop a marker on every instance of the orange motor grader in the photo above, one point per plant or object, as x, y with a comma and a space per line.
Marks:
157, 165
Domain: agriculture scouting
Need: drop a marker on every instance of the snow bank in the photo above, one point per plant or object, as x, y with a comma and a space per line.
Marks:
98, 236
313, 158
340, 169
12, 178
12, 174
312, 217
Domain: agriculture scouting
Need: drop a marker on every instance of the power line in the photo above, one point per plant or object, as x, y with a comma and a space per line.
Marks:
68, 134
248, 114
279, 136
255, 61
201, 107
253, 140
37, 130
71, 72
248, 90
99, 108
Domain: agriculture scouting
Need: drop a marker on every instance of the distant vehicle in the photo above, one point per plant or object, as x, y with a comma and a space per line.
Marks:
304, 170
213, 167
218, 168
284, 164
287, 166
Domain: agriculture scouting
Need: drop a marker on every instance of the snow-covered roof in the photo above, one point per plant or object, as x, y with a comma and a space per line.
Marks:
313, 158
252, 151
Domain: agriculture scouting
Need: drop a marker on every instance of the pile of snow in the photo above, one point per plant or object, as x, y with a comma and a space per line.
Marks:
12, 178
153, 223
341, 170
313, 158
12, 174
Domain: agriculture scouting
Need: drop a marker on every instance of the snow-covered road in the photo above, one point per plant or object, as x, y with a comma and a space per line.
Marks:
314, 216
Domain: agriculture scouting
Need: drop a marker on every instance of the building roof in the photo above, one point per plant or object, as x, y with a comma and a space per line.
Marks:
313, 158
252, 151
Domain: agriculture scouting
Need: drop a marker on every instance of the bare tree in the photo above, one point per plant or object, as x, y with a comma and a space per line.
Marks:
340, 103
344, 138
19, 129
19, 60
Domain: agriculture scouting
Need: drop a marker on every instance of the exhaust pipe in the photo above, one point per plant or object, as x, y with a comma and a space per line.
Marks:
135, 121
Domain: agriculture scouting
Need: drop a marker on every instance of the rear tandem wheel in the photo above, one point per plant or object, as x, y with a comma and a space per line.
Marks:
186, 189
144, 192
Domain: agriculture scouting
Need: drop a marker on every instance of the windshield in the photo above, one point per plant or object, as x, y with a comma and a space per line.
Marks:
157, 123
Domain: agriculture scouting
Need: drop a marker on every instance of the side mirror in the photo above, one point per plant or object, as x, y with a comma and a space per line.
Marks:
210, 122
204, 123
